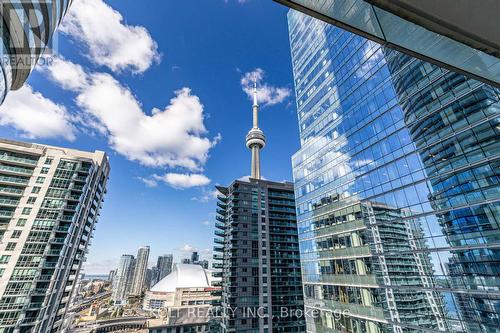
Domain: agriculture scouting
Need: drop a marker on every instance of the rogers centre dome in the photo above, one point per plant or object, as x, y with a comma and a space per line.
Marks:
184, 276
186, 285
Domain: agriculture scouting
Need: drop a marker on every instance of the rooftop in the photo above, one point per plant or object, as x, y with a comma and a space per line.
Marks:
184, 276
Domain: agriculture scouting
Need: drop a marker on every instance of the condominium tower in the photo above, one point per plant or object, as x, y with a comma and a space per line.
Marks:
141, 267
396, 186
50, 199
164, 265
27, 27
122, 282
256, 251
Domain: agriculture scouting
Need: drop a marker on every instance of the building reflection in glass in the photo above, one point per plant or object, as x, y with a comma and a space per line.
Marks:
454, 122
388, 228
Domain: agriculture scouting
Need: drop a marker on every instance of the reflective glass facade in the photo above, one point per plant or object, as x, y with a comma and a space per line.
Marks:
395, 31
454, 122
396, 188
26, 28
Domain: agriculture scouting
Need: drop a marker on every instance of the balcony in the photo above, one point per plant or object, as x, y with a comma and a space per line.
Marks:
71, 207
78, 188
8, 202
370, 312
218, 225
221, 211
17, 160
219, 241
220, 219
58, 240
33, 306
219, 233
217, 265
63, 229
6, 213
80, 178
11, 191
49, 265
218, 249
15, 170
222, 205
53, 252
218, 257
46, 277
13, 180
67, 218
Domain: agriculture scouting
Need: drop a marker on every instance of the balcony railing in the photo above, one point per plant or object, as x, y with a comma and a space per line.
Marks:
8, 202
8, 158
14, 180
11, 190
8, 168
6, 213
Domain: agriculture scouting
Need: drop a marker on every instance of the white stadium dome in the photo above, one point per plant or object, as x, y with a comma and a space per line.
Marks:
184, 276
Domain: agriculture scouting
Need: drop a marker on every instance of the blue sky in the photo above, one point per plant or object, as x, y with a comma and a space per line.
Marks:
159, 86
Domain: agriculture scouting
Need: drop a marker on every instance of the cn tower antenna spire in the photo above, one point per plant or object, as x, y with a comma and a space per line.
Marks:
256, 139
255, 92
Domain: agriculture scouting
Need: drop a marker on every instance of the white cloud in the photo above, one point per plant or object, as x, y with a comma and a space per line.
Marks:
206, 195
266, 94
188, 248
148, 182
182, 181
36, 116
206, 222
68, 75
109, 41
172, 137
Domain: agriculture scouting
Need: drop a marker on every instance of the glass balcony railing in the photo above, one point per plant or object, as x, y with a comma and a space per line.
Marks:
11, 190
8, 202
14, 180
6, 213
355, 310
8, 158
8, 168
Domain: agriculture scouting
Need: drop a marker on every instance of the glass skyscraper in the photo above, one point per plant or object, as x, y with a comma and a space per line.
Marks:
396, 188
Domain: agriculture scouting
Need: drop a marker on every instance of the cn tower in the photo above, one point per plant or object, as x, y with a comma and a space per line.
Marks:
256, 139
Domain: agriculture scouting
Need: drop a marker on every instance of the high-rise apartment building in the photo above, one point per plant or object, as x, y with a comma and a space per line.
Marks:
195, 257
111, 275
50, 198
396, 187
164, 265
26, 27
141, 267
122, 283
257, 251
